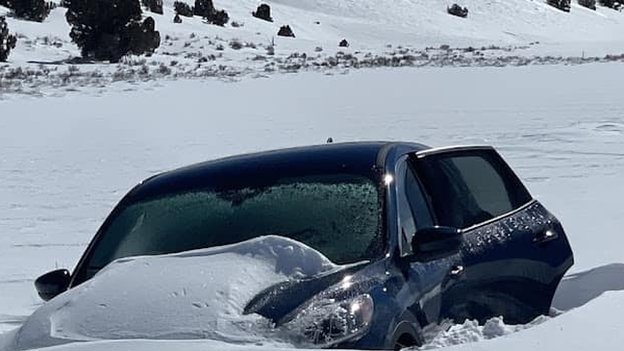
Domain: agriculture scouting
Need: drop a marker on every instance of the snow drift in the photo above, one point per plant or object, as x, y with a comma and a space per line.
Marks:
194, 295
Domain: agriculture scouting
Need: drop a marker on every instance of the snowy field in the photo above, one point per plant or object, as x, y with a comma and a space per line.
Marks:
66, 161
544, 87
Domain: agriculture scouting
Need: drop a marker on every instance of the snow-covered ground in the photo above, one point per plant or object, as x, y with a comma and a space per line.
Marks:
66, 161
380, 33
555, 111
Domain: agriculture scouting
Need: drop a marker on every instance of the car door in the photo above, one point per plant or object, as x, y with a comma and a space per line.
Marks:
426, 281
514, 253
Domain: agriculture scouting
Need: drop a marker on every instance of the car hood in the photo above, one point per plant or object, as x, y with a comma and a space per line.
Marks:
221, 293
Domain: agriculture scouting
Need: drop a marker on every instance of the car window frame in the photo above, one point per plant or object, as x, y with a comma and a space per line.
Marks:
474, 150
404, 165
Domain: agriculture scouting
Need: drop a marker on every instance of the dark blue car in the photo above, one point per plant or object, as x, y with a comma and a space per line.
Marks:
425, 236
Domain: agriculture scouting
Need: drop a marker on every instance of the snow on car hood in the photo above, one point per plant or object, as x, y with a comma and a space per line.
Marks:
196, 294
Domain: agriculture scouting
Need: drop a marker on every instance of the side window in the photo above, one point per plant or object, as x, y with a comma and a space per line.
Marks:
470, 187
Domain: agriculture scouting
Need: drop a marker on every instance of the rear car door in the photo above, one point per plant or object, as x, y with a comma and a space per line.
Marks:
515, 252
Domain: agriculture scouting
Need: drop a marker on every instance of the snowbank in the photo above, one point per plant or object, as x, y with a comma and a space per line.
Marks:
564, 138
194, 295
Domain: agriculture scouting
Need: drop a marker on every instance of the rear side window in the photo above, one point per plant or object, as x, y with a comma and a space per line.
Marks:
469, 187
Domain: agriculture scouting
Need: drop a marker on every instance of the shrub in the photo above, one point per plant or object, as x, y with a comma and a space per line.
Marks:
343, 43
285, 31
7, 41
142, 38
236, 44
206, 9
110, 29
563, 5
614, 4
203, 8
219, 18
263, 12
177, 19
458, 11
590, 4
155, 6
183, 9
32, 10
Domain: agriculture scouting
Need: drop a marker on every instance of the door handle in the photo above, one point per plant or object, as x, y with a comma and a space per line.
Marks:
456, 271
546, 236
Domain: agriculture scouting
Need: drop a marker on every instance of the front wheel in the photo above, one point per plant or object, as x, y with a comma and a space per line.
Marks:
406, 335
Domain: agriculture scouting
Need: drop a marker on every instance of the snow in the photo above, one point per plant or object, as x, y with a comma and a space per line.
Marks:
61, 178
69, 157
192, 295
380, 33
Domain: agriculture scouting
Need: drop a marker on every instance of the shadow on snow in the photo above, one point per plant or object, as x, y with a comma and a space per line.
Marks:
578, 289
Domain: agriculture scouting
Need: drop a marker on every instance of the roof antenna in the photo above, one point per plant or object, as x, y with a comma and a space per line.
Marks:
330, 140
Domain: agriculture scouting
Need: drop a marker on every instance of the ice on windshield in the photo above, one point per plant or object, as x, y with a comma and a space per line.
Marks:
338, 218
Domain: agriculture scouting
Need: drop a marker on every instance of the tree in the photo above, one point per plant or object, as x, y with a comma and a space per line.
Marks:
32, 10
206, 9
110, 29
155, 6
263, 12
590, 4
7, 41
286, 31
183, 9
219, 18
614, 4
563, 5
203, 8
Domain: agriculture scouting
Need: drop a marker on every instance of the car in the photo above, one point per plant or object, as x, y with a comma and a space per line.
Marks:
422, 236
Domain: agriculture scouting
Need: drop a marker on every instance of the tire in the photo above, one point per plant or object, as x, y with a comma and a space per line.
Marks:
405, 335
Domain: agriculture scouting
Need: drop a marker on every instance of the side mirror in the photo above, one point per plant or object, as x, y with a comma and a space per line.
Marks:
433, 243
52, 284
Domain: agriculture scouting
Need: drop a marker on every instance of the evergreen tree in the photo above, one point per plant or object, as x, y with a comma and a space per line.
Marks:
614, 4
183, 9
590, 4
7, 41
206, 9
155, 6
563, 5
203, 8
32, 10
110, 29
263, 12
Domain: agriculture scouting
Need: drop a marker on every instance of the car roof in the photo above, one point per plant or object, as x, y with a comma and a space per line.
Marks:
351, 157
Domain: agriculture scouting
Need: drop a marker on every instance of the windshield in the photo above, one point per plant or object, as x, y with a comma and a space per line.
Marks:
338, 215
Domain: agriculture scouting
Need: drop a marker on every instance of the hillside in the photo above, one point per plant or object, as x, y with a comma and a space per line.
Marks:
380, 33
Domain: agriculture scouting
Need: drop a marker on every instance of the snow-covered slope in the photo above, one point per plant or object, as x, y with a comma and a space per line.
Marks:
67, 161
380, 33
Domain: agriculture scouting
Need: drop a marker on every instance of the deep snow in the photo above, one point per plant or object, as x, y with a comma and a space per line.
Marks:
65, 162
191, 295
380, 33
